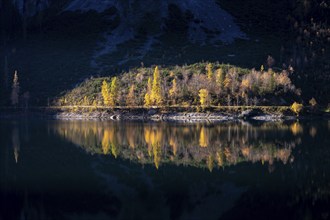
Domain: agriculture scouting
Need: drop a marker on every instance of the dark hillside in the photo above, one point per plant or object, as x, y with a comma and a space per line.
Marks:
56, 49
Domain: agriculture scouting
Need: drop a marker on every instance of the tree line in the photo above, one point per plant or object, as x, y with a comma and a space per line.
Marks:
204, 84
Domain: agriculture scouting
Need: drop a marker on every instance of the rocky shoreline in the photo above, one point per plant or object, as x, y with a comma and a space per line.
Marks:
267, 113
153, 115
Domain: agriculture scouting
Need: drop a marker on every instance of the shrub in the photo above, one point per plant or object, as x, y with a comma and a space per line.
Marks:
296, 108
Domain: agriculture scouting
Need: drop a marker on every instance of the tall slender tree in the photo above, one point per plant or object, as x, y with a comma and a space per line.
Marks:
209, 71
147, 96
15, 90
113, 92
105, 93
156, 92
204, 97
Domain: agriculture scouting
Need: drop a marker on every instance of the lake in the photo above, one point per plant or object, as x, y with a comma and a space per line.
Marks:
57, 169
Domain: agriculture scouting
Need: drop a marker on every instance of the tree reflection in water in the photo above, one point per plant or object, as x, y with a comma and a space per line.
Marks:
53, 180
201, 145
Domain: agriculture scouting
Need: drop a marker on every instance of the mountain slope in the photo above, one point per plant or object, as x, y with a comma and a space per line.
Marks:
56, 44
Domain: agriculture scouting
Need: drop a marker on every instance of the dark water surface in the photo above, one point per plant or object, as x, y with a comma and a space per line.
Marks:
132, 170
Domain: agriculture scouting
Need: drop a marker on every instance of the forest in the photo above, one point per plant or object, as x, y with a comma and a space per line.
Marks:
201, 84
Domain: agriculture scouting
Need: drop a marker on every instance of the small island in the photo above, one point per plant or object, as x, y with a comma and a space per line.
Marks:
201, 91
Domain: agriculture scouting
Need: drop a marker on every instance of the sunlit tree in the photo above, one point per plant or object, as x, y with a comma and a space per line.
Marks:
15, 90
156, 92
147, 96
113, 92
209, 71
296, 108
105, 92
86, 101
220, 77
204, 97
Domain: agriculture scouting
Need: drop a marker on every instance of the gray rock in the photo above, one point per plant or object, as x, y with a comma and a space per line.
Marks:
249, 113
152, 112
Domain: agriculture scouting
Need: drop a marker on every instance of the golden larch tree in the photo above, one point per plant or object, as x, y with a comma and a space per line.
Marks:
204, 97
220, 77
209, 71
296, 108
147, 96
105, 92
113, 92
156, 91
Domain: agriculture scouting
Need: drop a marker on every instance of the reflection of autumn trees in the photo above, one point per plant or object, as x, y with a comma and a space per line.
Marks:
202, 145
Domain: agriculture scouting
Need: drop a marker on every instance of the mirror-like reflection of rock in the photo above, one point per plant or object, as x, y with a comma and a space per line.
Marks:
201, 145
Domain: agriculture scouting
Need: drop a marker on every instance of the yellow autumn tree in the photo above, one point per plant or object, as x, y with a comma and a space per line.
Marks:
204, 97
227, 82
245, 84
147, 96
156, 91
296, 108
105, 93
220, 77
94, 104
113, 92
130, 98
209, 71
86, 101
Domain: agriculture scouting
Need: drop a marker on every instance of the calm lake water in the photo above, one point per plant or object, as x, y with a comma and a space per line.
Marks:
53, 169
